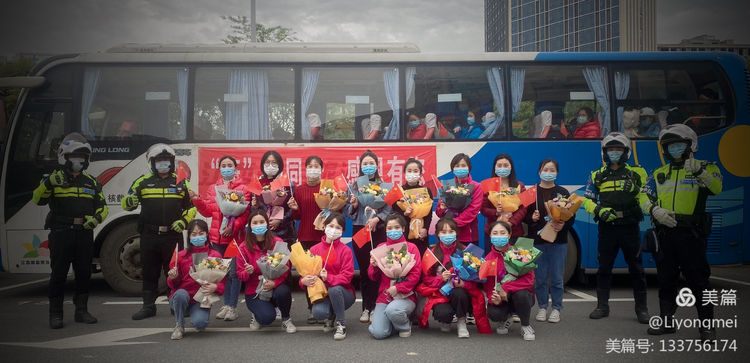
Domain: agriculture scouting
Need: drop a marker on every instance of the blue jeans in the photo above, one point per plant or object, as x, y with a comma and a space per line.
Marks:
265, 311
334, 305
550, 265
180, 303
389, 317
232, 283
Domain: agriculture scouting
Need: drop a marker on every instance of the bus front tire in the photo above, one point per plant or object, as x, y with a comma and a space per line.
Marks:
120, 259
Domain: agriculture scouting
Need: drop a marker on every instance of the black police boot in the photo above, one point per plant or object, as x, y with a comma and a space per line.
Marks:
82, 314
56, 312
149, 307
641, 308
707, 335
660, 329
602, 305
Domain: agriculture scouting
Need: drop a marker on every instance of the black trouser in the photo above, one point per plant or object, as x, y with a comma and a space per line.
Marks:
156, 252
68, 246
459, 304
682, 249
519, 302
612, 238
368, 287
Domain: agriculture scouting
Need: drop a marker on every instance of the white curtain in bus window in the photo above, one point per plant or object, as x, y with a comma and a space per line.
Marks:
622, 86
517, 77
247, 119
90, 86
495, 79
596, 78
182, 85
390, 78
309, 83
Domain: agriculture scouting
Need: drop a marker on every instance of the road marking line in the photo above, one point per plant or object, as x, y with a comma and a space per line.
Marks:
730, 280
23, 284
581, 294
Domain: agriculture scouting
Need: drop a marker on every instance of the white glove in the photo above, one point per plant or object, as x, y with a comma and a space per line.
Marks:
692, 166
664, 217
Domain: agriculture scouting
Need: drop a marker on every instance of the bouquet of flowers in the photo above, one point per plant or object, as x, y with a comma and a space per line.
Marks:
519, 259
421, 205
306, 265
508, 198
394, 261
467, 263
231, 203
457, 196
272, 265
275, 200
328, 200
209, 270
559, 209
371, 194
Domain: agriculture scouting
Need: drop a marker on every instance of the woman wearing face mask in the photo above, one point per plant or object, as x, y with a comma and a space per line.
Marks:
468, 231
368, 165
337, 276
305, 210
235, 232
412, 173
587, 126
417, 129
271, 167
473, 129
503, 168
551, 264
184, 287
510, 297
464, 296
393, 314
259, 241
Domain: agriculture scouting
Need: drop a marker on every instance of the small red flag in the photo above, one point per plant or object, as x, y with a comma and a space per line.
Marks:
393, 195
330, 256
428, 260
488, 269
173, 260
254, 186
491, 184
232, 250
362, 237
528, 196
340, 184
280, 182
433, 185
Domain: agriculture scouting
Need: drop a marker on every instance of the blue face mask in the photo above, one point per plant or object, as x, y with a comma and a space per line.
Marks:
548, 176
470, 120
394, 234
614, 156
677, 150
369, 170
499, 241
413, 124
260, 229
447, 239
198, 241
461, 172
502, 172
227, 173
582, 119
162, 166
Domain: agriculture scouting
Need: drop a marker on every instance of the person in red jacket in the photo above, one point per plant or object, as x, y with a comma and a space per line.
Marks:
258, 242
588, 125
184, 287
468, 231
512, 296
417, 129
464, 296
504, 169
393, 314
235, 231
337, 274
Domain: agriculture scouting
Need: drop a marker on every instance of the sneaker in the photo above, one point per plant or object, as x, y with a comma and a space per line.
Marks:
340, 333
470, 319
328, 326
454, 320
365, 317
310, 318
461, 327
541, 315
528, 332
505, 327
554, 316
222, 312
254, 325
178, 332
516, 318
288, 326
231, 314
405, 333
445, 327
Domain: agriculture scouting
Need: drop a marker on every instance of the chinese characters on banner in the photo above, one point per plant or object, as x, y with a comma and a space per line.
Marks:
336, 161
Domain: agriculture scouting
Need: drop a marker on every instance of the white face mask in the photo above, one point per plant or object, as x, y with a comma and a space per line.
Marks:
412, 177
313, 173
333, 233
270, 170
76, 164
162, 166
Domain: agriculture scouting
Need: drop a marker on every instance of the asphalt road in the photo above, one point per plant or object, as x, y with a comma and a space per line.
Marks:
25, 334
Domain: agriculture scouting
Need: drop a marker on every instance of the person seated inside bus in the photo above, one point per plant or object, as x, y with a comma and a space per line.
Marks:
630, 123
648, 127
430, 123
472, 130
446, 127
126, 130
417, 129
316, 132
587, 126
704, 116
373, 132
543, 127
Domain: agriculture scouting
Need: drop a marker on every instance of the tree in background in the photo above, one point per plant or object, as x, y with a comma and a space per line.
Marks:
242, 32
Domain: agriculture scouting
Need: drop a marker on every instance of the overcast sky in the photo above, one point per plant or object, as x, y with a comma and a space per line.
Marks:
62, 26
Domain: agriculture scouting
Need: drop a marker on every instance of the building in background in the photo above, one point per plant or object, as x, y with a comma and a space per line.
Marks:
569, 25
707, 43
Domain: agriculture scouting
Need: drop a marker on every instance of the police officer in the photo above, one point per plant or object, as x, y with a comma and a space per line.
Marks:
612, 197
76, 207
166, 210
675, 196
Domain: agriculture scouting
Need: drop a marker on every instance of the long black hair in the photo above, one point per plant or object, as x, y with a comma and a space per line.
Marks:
512, 179
201, 225
251, 240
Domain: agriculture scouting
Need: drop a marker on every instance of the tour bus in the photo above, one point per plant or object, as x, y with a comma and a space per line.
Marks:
338, 100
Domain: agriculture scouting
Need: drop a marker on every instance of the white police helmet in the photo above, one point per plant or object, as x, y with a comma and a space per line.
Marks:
678, 132
616, 139
157, 150
73, 143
